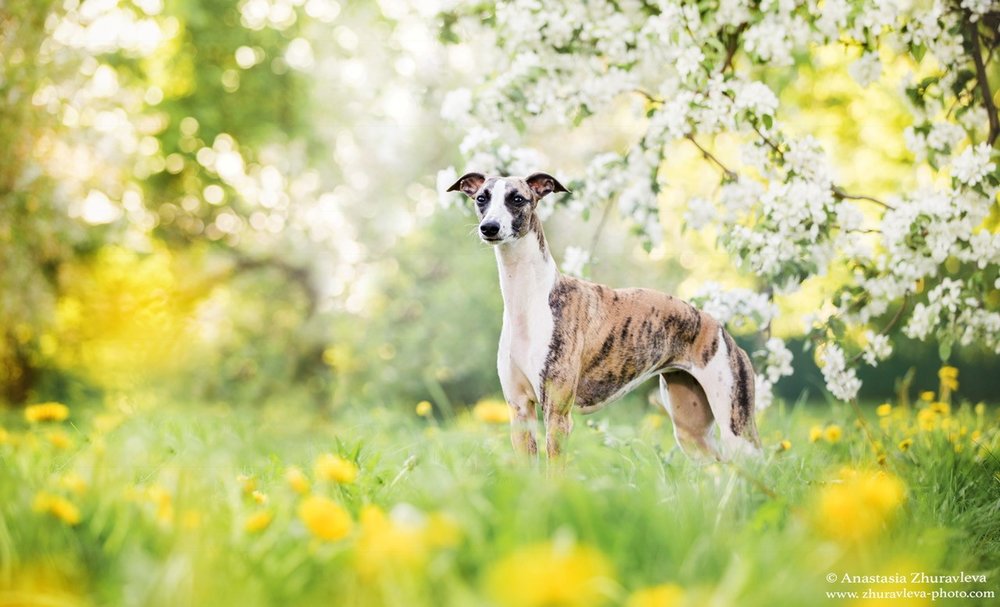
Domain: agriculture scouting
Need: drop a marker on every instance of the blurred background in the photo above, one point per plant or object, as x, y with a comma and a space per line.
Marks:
235, 201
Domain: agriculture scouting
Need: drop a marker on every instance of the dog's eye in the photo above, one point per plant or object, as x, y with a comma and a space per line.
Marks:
481, 199
519, 200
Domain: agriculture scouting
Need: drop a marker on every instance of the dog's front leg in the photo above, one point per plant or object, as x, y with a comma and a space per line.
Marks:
557, 407
522, 425
558, 424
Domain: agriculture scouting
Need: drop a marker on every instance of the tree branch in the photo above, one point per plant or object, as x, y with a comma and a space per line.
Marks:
888, 327
732, 46
984, 85
709, 156
840, 193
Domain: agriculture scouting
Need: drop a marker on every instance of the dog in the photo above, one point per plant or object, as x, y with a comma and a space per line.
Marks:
568, 343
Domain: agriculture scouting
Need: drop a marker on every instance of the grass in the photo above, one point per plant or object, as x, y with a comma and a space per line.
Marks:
151, 503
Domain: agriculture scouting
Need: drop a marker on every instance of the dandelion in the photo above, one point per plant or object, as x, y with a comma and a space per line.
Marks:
325, 518
59, 439
883, 410
927, 395
653, 421
833, 433
390, 543
941, 408
905, 444
949, 378
664, 595
74, 482
980, 409
247, 482
927, 420
784, 445
259, 496
191, 519
57, 506
332, 467
258, 521
297, 480
491, 411
550, 574
46, 412
815, 433
161, 498
858, 505
424, 408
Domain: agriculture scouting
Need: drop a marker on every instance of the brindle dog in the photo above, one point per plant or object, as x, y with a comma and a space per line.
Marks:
569, 343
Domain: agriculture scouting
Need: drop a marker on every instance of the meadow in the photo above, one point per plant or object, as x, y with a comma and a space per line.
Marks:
145, 502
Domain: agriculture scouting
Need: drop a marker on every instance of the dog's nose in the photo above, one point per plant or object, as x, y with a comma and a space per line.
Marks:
489, 229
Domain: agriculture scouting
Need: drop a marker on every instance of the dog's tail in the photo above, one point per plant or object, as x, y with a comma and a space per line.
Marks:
744, 418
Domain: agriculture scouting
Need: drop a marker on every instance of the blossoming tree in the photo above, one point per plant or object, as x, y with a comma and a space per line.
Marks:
921, 261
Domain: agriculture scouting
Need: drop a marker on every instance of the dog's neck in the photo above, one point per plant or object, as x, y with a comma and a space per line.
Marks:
527, 270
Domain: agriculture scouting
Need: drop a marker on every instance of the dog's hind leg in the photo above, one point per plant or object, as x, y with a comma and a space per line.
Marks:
728, 382
691, 414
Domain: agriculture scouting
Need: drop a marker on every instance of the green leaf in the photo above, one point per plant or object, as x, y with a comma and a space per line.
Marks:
944, 350
768, 120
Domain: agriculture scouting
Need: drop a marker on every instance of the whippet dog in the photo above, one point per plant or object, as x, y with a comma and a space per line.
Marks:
568, 343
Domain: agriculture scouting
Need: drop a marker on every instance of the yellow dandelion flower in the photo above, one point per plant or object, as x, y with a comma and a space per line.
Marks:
297, 480
491, 411
332, 467
859, 506
927, 420
784, 445
927, 395
388, 544
46, 412
980, 409
976, 435
550, 574
160, 497
258, 521
883, 410
259, 496
443, 531
325, 518
191, 519
59, 439
815, 433
941, 408
833, 433
74, 482
5, 436
949, 378
247, 482
653, 421
57, 506
905, 444
664, 595
424, 408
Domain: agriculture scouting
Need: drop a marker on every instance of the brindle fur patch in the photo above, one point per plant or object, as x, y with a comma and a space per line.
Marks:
604, 340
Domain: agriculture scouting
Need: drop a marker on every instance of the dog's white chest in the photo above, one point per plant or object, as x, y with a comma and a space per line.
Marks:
525, 338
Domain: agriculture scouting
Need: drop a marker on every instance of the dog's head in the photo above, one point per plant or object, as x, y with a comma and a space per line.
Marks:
505, 205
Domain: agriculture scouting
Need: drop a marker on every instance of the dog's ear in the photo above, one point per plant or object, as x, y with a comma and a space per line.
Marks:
543, 184
468, 184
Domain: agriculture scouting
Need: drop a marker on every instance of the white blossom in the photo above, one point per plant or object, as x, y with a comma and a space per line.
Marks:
867, 69
841, 380
973, 164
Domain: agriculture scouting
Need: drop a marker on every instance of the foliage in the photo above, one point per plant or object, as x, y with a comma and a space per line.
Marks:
921, 259
145, 503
